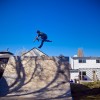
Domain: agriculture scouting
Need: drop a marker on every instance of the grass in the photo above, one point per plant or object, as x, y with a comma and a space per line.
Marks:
92, 84
86, 91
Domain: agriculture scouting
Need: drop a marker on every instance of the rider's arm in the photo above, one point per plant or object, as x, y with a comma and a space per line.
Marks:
36, 38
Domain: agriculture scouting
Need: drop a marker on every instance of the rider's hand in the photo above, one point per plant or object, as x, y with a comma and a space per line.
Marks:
37, 38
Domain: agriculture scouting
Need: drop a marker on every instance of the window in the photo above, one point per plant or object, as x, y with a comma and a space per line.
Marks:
82, 60
3, 60
97, 61
82, 75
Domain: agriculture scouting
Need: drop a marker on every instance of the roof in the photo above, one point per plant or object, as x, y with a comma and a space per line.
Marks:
74, 70
6, 52
85, 57
34, 52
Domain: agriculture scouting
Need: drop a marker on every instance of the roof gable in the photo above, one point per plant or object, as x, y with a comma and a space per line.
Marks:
34, 52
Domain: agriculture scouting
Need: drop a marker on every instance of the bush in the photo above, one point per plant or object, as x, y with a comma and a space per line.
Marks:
92, 84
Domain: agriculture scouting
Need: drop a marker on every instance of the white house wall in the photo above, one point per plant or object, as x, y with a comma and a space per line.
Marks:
74, 75
89, 72
90, 63
71, 62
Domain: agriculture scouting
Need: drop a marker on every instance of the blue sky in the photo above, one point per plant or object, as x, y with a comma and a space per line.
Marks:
70, 24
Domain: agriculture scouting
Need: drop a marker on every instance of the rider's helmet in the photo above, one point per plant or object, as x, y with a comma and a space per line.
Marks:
38, 31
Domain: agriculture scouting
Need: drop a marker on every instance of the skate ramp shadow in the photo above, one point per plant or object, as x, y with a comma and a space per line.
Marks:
4, 88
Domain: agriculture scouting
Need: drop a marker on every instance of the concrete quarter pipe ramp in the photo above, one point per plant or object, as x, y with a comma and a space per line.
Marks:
36, 77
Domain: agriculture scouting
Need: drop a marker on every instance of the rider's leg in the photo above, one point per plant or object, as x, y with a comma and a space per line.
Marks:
48, 41
41, 44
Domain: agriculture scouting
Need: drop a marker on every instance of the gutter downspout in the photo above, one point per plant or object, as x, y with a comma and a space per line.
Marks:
73, 63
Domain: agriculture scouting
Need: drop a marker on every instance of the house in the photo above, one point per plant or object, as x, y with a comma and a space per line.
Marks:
34, 52
4, 57
85, 68
5, 54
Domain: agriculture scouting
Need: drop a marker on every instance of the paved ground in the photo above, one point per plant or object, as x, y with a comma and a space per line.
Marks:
58, 92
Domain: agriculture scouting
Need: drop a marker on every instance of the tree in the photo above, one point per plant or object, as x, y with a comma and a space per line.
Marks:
20, 52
